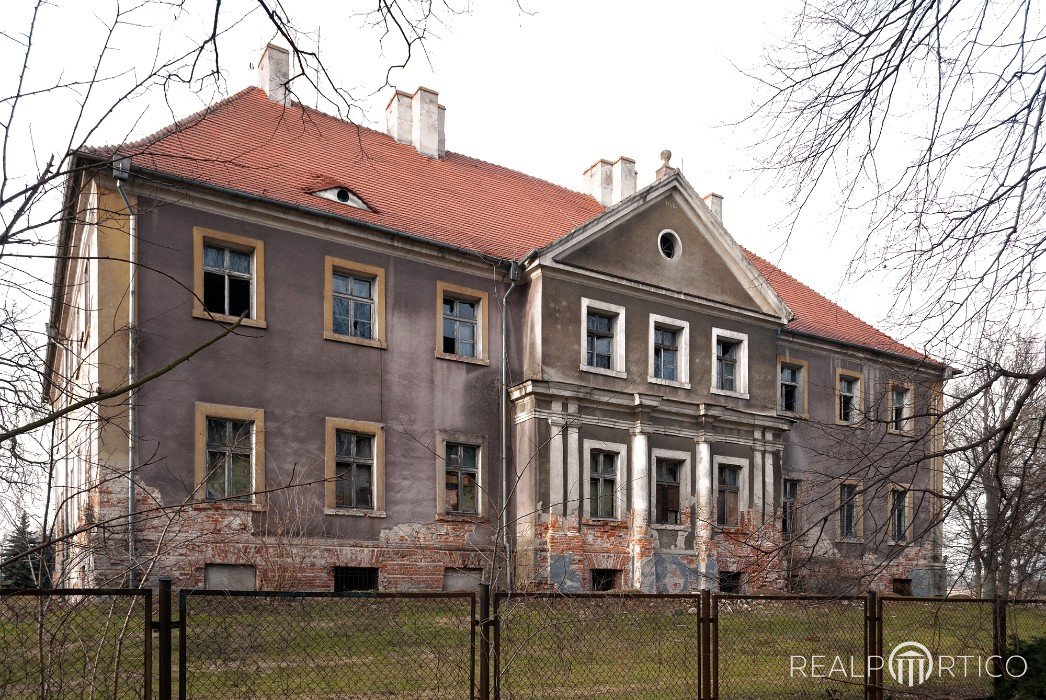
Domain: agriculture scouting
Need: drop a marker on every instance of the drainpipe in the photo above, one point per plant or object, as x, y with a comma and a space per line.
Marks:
121, 172
514, 274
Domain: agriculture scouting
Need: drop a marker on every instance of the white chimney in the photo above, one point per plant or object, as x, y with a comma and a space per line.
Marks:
715, 204
624, 179
274, 73
609, 183
419, 120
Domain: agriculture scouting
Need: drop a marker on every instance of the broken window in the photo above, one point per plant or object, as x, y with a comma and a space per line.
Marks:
791, 388
901, 586
605, 579
666, 353
730, 582
227, 281
602, 483
666, 496
354, 470
790, 506
848, 511
353, 305
230, 460
462, 472
459, 326
355, 578
899, 515
600, 340
848, 388
899, 408
726, 364
727, 510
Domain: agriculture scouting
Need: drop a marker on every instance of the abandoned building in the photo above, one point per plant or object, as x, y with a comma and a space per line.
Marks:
440, 370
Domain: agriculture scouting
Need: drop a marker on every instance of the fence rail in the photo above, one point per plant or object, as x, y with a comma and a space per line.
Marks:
98, 644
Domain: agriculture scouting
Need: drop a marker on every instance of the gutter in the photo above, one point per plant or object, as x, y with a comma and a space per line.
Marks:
121, 173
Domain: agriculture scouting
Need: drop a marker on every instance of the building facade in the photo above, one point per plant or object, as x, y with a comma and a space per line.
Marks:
389, 365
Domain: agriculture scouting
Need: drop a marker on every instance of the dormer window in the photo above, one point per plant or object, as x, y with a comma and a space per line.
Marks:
344, 196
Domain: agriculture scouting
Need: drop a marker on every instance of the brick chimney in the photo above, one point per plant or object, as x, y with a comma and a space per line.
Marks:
609, 183
419, 120
274, 73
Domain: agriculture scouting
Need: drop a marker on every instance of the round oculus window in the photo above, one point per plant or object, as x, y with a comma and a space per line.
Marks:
668, 244
343, 194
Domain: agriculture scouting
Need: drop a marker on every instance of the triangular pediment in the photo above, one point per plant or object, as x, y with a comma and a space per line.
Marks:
706, 262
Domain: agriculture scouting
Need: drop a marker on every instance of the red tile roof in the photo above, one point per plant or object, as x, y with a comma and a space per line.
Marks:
251, 144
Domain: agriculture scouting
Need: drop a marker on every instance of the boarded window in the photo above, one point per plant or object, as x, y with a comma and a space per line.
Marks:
462, 579
727, 506
462, 477
229, 577
230, 460
354, 470
227, 281
355, 578
666, 496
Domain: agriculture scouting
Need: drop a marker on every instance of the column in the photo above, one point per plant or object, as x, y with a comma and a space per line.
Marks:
556, 497
768, 485
703, 515
757, 485
573, 484
640, 541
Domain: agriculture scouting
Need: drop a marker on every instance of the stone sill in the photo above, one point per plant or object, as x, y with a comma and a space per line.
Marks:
462, 358
666, 526
459, 518
225, 506
356, 512
223, 318
613, 522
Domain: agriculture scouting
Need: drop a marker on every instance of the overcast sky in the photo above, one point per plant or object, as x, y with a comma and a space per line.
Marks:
546, 89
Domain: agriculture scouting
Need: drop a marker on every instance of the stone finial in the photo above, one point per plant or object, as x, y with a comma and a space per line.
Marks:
665, 170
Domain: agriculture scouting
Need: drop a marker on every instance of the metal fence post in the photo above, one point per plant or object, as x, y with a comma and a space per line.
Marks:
484, 641
704, 624
873, 646
163, 627
998, 642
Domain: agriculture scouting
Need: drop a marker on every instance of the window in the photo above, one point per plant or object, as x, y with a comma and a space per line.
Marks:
790, 506
462, 478
849, 504
230, 451
230, 454
899, 514
730, 363
668, 243
666, 498
355, 468
228, 277
901, 586
600, 343
669, 351
730, 582
355, 578
354, 303
229, 577
900, 408
602, 484
728, 498
792, 380
605, 579
602, 338
343, 195
461, 332
848, 392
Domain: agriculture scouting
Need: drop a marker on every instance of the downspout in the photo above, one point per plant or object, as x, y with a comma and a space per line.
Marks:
121, 172
515, 270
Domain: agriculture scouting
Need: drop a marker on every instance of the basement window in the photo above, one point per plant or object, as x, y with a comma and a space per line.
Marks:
355, 578
731, 582
344, 196
604, 580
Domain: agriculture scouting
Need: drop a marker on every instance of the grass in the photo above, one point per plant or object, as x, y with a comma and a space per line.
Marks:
602, 647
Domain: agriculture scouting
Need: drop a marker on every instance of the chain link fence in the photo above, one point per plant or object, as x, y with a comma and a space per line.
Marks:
787, 647
608, 646
327, 645
63, 644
